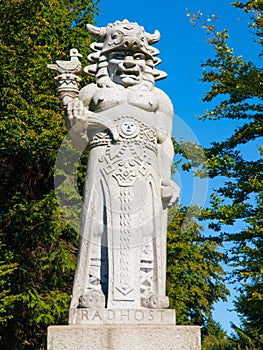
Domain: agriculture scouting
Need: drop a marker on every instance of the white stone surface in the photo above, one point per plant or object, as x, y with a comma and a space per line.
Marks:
123, 316
130, 337
126, 122
119, 290
73, 66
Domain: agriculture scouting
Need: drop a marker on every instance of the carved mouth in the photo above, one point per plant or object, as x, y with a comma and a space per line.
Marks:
129, 73
131, 76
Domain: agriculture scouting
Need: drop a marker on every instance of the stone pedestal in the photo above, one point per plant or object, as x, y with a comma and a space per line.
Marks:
124, 337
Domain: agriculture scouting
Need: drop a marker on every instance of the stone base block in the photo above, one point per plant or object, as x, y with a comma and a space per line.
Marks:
124, 337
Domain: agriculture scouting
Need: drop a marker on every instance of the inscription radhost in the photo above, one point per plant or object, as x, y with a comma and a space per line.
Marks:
108, 315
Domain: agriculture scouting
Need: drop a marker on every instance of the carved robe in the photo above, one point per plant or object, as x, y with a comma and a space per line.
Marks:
123, 228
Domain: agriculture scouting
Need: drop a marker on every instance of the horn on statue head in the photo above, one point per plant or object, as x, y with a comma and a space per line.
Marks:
99, 33
153, 38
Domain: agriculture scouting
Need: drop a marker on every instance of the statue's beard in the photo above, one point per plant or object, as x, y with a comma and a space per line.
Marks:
130, 79
126, 77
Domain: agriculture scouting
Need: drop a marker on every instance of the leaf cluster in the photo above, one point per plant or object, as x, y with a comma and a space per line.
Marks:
237, 85
194, 273
38, 249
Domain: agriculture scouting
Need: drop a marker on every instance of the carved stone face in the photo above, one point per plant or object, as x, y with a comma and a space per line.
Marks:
126, 67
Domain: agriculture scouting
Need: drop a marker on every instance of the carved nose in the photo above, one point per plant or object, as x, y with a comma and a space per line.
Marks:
132, 43
129, 62
135, 44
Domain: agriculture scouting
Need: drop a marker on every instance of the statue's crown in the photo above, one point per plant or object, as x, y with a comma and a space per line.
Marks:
125, 35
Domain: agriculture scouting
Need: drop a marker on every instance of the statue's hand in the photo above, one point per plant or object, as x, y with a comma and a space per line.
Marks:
76, 120
79, 118
74, 109
170, 192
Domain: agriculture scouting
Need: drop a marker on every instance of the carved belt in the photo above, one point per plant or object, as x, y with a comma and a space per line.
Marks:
129, 131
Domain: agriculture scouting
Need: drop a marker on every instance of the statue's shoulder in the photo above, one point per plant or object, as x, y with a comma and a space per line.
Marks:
87, 92
165, 103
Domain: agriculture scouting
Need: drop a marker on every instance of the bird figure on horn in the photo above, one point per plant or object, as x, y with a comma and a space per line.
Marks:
73, 66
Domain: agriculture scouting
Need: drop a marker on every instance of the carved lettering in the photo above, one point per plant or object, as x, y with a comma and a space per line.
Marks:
139, 315
124, 316
111, 315
151, 315
125, 313
161, 311
84, 314
97, 314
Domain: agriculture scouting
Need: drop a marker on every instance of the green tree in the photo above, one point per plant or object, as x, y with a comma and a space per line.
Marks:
214, 338
195, 278
7, 267
39, 247
237, 85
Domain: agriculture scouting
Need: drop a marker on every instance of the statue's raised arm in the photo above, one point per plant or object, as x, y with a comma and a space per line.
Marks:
126, 124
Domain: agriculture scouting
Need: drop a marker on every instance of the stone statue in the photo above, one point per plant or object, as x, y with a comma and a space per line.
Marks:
125, 123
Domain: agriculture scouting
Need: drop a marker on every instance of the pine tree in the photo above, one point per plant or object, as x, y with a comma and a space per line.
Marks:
214, 338
195, 278
7, 268
238, 86
39, 247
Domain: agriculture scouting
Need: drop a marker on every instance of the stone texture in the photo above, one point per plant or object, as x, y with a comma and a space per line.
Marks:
126, 123
125, 337
123, 316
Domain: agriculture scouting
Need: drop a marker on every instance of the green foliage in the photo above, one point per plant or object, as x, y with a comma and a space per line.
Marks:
44, 249
32, 34
38, 247
243, 340
254, 8
237, 85
7, 268
248, 264
192, 156
214, 338
195, 278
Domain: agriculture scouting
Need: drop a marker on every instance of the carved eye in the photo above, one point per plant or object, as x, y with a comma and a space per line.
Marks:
139, 56
117, 36
118, 55
114, 35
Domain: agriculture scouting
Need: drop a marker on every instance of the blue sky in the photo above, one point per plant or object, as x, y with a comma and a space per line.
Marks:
182, 49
